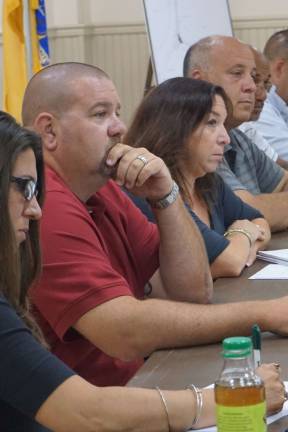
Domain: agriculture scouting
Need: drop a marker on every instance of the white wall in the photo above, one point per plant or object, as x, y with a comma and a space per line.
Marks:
256, 9
62, 12
131, 11
101, 12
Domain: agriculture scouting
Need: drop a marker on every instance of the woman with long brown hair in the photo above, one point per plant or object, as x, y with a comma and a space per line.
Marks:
37, 391
182, 122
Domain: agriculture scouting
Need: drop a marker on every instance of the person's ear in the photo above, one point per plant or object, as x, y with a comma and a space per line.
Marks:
45, 126
196, 74
277, 69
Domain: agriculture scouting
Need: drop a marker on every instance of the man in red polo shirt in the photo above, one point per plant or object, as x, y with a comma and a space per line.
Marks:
99, 252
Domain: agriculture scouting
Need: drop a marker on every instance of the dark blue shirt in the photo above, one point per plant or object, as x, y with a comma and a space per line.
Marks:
227, 208
28, 373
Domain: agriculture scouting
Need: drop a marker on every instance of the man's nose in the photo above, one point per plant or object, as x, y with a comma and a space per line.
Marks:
249, 84
117, 128
261, 92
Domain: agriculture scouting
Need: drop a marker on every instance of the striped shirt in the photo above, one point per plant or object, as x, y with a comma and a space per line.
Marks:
252, 133
247, 167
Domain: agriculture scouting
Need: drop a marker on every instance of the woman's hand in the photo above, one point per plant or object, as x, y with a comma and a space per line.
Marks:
274, 386
256, 231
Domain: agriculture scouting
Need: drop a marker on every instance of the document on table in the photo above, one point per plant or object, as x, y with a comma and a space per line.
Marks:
270, 419
271, 271
279, 256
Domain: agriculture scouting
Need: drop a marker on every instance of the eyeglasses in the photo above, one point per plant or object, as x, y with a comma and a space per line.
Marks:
26, 186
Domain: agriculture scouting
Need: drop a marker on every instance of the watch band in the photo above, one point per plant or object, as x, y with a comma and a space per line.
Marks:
167, 200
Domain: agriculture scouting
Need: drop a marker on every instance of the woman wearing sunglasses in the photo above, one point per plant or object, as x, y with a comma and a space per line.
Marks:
182, 122
37, 391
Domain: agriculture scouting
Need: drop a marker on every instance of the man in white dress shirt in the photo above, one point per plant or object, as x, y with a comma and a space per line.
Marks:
263, 85
273, 121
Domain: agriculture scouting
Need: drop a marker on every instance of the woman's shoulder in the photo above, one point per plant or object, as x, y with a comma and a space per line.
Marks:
223, 189
9, 317
4, 303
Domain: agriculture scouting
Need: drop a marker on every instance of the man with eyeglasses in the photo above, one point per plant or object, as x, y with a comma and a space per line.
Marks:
99, 251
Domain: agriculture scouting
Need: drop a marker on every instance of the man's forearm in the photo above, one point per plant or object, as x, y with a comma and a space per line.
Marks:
178, 325
274, 208
132, 329
283, 163
154, 324
184, 266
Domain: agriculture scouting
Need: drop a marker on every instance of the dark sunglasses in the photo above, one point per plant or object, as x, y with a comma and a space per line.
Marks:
26, 186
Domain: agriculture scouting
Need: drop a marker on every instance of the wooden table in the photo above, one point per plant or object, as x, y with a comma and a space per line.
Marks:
175, 368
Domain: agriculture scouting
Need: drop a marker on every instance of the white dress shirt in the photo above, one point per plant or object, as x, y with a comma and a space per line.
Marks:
273, 123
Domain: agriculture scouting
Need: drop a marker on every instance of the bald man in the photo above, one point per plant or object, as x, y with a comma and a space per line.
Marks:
252, 175
273, 121
98, 249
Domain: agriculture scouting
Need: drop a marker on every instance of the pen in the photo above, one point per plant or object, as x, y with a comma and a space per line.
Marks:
256, 340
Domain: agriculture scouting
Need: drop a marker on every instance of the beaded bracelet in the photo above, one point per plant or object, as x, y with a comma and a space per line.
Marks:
198, 395
164, 405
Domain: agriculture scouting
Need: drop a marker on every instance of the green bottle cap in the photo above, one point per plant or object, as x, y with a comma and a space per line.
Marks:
234, 347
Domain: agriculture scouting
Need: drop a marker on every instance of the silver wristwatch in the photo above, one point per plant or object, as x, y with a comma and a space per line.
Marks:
167, 199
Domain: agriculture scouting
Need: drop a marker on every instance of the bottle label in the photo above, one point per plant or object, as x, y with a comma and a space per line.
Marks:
249, 418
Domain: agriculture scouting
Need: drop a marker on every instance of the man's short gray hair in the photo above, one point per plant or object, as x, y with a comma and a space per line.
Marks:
198, 55
277, 45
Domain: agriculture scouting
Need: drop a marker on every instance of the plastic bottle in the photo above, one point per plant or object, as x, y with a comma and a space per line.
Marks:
239, 392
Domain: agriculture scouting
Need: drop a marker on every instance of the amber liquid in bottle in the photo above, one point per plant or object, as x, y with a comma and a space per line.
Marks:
239, 396
239, 392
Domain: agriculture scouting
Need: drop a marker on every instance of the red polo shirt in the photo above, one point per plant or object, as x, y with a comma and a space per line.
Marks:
92, 253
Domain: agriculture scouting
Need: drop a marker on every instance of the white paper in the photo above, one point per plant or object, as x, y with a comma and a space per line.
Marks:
279, 253
272, 271
270, 419
279, 256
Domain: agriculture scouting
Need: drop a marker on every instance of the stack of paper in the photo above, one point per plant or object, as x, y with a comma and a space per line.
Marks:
279, 256
277, 270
